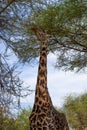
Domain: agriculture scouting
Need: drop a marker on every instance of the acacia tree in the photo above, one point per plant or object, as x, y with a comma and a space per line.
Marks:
10, 84
76, 111
65, 21
11, 90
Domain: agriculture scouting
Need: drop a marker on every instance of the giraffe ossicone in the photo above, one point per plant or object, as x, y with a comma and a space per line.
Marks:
44, 116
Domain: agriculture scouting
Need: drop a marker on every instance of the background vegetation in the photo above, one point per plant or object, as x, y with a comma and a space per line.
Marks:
75, 108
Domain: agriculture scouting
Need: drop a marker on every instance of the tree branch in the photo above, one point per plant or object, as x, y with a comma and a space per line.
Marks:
7, 6
84, 48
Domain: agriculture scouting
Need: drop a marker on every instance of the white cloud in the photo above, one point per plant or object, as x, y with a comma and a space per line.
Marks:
61, 84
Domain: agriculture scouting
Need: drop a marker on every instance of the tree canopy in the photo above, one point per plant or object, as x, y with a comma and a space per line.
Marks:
21, 121
76, 111
65, 21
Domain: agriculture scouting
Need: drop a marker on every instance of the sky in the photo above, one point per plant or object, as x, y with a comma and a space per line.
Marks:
60, 83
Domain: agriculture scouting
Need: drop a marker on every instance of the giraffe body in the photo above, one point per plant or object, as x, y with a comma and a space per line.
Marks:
44, 116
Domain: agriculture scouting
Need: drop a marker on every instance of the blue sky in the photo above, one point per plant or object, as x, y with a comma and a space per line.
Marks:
60, 83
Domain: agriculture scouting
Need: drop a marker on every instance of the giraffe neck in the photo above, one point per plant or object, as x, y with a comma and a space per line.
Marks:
41, 86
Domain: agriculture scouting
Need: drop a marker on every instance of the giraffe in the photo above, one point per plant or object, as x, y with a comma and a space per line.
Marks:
44, 116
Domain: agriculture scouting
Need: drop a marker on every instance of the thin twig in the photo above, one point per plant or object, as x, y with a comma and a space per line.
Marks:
7, 6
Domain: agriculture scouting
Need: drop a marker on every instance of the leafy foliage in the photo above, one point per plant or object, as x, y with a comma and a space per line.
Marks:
76, 110
21, 122
65, 21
